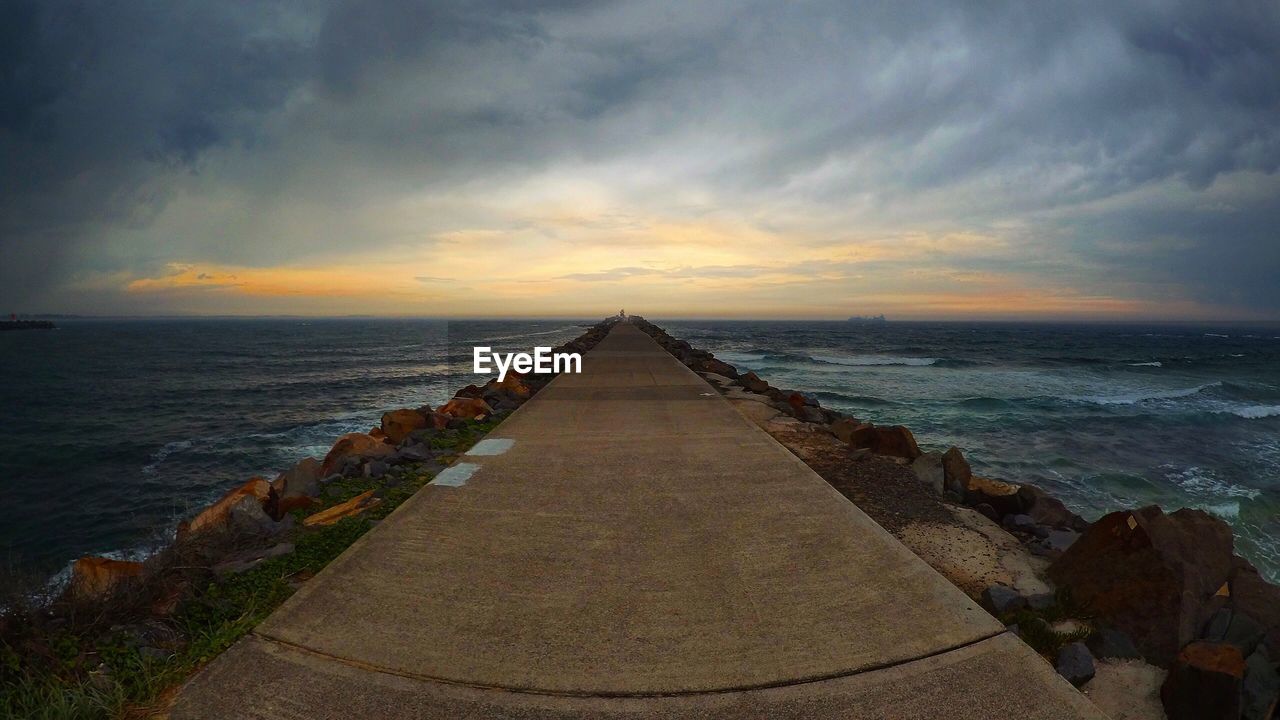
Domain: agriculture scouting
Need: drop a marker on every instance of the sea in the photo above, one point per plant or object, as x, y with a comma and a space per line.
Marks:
113, 430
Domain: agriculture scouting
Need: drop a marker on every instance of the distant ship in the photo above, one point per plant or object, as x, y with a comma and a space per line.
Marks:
867, 320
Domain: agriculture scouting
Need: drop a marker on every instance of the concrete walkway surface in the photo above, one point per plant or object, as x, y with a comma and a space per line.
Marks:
637, 549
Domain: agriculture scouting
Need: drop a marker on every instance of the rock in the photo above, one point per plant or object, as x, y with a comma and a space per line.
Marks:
1204, 683
376, 468
1261, 687
1109, 643
462, 408
1057, 541
96, 576
1041, 601
988, 512
895, 441
512, 385
243, 505
397, 424
356, 445
811, 414
719, 367
956, 472
1049, 510
1235, 628
1258, 599
928, 470
1001, 599
753, 383
1000, 495
843, 428
1075, 663
350, 508
413, 453
862, 436
1018, 522
1149, 574
301, 480
377, 433
470, 391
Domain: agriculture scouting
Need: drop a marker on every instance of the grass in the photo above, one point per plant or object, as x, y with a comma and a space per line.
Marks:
111, 661
1035, 626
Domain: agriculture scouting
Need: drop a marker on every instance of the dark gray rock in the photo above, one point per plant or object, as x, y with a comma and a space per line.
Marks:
928, 470
1075, 663
1261, 689
414, 453
1041, 601
1230, 626
1059, 540
811, 414
1109, 643
1018, 522
376, 468
1000, 599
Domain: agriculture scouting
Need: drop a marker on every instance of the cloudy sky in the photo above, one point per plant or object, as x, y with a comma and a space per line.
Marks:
757, 159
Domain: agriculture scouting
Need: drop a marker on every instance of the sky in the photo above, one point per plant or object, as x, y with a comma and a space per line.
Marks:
925, 160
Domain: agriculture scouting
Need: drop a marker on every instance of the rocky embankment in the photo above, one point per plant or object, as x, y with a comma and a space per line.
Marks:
1151, 614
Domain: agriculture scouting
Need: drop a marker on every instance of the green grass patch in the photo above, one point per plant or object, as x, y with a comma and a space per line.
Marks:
1035, 627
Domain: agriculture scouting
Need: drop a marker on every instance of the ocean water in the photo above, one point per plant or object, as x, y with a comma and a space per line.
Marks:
1104, 416
112, 430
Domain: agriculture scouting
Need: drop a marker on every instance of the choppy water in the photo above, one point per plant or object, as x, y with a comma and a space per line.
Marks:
112, 430
1105, 417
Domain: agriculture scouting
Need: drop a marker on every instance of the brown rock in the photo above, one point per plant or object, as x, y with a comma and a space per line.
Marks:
1149, 574
719, 367
350, 508
1048, 510
257, 491
286, 505
358, 444
998, 494
377, 433
1257, 598
1204, 683
895, 441
843, 428
955, 472
95, 576
470, 391
438, 421
513, 384
753, 383
466, 408
862, 436
397, 424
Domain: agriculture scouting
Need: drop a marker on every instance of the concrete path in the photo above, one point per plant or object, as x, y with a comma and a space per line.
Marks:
636, 549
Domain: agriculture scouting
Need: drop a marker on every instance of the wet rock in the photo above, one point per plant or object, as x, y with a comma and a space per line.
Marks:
397, 424
1149, 574
956, 472
1261, 687
753, 383
928, 470
96, 576
1205, 683
1109, 643
463, 408
1001, 599
1233, 627
1075, 663
357, 445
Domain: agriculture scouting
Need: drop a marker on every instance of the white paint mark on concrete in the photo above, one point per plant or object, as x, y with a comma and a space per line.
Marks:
455, 475
491, 446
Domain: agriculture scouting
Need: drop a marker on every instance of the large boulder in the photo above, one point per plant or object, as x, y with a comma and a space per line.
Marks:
896, 441
512, 385
1000, 495
466, 408
719, 367
397, 424
928, 470
1252, 595
1204, 683
96, 576
753, 383
1048, 510
1149, 574
1261, 691
955, 472
301, 480
353, 445
243, 508
1075, 663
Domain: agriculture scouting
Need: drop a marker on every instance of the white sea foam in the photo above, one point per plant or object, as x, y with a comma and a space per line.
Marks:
164, 452
1154, 363
875, 360
1216, 335
1254, 412
1145, 395
1204, 483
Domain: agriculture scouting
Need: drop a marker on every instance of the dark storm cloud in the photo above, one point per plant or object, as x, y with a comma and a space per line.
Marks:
811, 116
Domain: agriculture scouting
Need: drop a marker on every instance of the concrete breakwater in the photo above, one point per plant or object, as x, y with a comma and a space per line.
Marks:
634, 444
